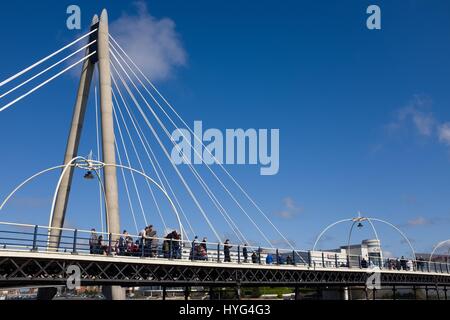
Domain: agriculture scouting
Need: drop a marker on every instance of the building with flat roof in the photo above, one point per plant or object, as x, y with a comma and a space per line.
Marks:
369, 249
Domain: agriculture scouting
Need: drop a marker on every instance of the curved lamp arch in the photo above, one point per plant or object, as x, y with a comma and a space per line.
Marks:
402, 234
354, 220
26, 181
326, 229
351, 229
159, 187
73, 163
440, 244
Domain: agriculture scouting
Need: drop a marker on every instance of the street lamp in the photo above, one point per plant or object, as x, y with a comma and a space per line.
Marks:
358, 221
89, 166
88, 175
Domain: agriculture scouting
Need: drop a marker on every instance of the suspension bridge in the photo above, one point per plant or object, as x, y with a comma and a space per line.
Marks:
133, 122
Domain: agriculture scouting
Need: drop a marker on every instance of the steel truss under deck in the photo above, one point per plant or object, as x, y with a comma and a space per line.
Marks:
26, 271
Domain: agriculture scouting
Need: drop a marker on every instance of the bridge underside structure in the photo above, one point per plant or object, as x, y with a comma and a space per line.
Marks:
37, 269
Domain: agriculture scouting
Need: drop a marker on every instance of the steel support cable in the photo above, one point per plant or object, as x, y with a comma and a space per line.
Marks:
237, 232
199, 140
190, 165
45, 59
98, 155
205, 187
196, 174
138, 157
45, 70
235, 200
130, 204
140, 135
147, 147
237, 235
129, 164
155, 134
45, 82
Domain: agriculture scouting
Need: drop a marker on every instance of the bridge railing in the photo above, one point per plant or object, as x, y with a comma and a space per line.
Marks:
35, 238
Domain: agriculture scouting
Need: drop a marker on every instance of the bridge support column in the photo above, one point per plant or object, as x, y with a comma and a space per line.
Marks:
107, 123
164, 293
108, 143
113, 292
345, 293
186, 293
394, 295
238, 292
46, 293
445, 293
426, 292
415, 292
62, 195
297, 293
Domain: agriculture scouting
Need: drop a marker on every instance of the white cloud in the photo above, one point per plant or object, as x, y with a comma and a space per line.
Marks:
419, 221
152, 43
417, 114
285, 214
424, 122
290, 209
444, 133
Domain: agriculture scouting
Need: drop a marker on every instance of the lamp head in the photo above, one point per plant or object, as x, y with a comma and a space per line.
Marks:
88, 175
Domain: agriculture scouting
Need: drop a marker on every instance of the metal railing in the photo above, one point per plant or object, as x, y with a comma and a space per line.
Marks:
35, 238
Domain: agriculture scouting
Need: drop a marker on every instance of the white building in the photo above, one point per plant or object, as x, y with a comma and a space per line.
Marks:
369, 249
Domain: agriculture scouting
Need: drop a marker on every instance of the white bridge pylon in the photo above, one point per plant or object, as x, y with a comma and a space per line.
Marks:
90, 165
360, 219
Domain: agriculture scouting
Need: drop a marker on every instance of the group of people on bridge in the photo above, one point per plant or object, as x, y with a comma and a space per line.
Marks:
146, 245
393, 264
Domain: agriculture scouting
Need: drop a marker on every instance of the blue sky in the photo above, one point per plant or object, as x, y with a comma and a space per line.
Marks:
362, 114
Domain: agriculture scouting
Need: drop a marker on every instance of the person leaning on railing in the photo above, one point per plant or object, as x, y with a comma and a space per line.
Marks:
166, 247
176, 245
101, 247
93, 241
204, 249
420, 263
226, 251
245, 253
122, 245
193, 255
364, 263
255, 257
154, 243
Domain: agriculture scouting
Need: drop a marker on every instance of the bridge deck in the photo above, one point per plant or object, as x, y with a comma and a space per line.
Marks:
185, 262
43, 268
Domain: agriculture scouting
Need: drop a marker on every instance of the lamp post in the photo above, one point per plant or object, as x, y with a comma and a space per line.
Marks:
359, 221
